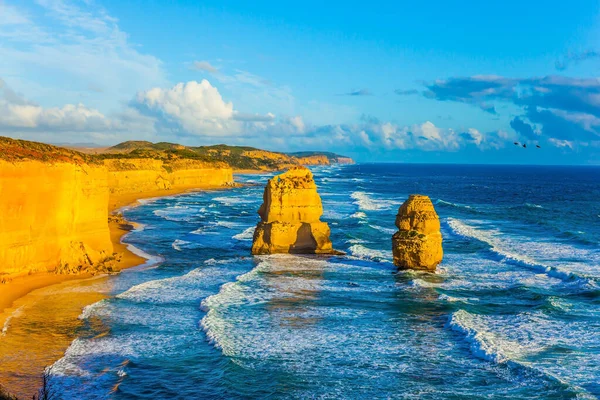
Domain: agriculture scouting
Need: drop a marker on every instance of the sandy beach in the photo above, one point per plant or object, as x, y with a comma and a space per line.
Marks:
54, 302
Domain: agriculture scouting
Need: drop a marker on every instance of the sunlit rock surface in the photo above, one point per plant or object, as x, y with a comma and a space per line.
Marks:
418, 242
290, 216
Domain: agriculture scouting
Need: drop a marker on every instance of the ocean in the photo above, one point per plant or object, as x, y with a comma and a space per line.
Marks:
513, 311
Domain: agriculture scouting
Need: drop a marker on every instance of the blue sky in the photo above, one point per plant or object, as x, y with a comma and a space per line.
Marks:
436, 82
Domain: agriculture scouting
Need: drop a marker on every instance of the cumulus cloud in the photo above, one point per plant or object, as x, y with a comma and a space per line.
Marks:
197, 108
20, 116
552, 107
204, 66
375, 134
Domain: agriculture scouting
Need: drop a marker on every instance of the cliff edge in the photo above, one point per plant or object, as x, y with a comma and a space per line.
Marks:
418, 242
54, 202
290, 216
53, 210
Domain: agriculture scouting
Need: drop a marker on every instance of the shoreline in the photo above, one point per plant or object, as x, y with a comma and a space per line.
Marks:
47, 299
18, 286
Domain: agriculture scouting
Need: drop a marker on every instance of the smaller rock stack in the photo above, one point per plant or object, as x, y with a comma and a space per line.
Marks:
290, 216
418, 242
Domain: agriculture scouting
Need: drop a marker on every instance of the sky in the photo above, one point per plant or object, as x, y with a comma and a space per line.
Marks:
437, 81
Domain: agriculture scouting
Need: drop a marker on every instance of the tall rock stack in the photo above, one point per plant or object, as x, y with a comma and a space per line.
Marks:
418, 242
290, 216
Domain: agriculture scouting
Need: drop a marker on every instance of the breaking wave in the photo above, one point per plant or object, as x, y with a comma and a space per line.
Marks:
508, 249
366, 203
247, 234
365, 253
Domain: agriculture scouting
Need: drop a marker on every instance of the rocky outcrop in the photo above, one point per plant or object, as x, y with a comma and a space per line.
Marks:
148, 175
53, 216
290, 216
418, 242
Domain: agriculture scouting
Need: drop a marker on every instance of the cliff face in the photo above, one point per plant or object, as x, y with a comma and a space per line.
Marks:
418, 242
54, 202
313, 160
290, 216
146, 175
53, 216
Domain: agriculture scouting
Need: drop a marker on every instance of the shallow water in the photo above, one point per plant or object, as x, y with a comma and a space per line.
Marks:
514, 311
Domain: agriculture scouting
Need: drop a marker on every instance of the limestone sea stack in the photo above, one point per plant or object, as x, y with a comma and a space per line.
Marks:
290, 216
418, 242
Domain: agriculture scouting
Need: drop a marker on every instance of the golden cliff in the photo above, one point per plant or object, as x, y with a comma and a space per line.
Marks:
147, 175
418, 242
53, 217
54, 203
313, 160
290, 216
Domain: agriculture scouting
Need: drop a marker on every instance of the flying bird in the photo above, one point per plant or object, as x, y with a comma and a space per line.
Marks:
525, 145
517, 143
538, 146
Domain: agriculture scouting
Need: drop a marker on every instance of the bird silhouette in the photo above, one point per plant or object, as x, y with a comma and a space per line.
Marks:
538, 146
517, 143
525, 145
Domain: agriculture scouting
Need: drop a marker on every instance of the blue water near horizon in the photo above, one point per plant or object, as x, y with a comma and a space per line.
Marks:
513, 311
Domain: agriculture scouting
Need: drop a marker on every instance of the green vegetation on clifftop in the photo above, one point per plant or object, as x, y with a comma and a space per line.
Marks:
238, 157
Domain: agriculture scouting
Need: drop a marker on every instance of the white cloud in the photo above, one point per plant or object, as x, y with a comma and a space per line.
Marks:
76, 43
561, 143
197, 107
297, 123
70, 122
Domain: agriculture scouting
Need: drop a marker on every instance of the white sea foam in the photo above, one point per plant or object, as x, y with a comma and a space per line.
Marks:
227, 224
151, 260
365, 202
518, 338
557, 258
221, 326
15, 314
130, 345
247, 234
420, 283
484, 344
387, 231
231, 201
450, 204
172, 290
212, 261
177, 213
455, 299
92, 309
365, 253
356, 241
178, 243
331, 214
532, 205
359, 215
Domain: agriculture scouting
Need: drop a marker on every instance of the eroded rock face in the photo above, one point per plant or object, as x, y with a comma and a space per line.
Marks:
290, 216
418, 242
52, 217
